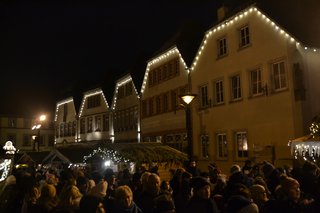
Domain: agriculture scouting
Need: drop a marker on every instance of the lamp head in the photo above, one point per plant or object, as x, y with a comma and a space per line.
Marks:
187, 98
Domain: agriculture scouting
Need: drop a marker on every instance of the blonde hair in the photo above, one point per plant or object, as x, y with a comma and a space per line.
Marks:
122, 191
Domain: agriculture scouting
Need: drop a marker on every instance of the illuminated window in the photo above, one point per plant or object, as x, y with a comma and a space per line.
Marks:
241, 144
89, 122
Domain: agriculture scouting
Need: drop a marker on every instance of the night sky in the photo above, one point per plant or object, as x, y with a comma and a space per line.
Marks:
47, 47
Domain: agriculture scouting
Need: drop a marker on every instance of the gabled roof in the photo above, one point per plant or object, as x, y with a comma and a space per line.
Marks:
237, 17
187, 39
64, 101
184, 42
125, 79
91, 93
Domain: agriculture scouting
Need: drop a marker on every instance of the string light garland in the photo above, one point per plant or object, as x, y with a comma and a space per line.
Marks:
106, 154
310, 149
5, 167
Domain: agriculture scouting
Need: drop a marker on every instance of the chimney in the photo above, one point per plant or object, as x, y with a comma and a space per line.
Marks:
222, 12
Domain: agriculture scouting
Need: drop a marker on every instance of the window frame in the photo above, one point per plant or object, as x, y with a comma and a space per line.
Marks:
218, 92
256, 85
204, 96
222, 47
244, 152
244, 36
281, 77
221, 145
238, 95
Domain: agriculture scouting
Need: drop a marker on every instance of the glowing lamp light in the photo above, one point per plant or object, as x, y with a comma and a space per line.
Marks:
107, 163
42, 117
188, 98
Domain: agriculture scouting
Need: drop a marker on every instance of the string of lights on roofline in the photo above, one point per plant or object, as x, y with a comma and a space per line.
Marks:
65, 101
217, 28
92, 93
175, 50
167, 54
119, 84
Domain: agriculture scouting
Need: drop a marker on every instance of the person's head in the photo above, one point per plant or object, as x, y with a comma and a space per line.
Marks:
164, 204
48, 191
291, 188
201, 187
91, 204
192, 163
100, 189
267, 169
144, 180
258, 193
153, 184
235, 169
124, 196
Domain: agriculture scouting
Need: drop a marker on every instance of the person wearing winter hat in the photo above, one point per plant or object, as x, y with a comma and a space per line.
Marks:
201, 200
287, 196
271, 176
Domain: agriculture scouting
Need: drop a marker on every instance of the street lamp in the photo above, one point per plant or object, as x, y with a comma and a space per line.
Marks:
187, 99
37, 127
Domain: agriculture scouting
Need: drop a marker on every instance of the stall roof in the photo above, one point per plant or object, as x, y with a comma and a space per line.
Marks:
27, 157
135, 152
306, 138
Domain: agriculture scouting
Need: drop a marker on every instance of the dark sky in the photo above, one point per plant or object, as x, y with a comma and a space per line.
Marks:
47, 47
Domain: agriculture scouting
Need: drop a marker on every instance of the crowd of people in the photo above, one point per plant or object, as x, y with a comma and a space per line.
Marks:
248, 188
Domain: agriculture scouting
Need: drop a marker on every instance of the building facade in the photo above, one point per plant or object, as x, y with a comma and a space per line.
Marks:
125, 125
18, 130
162, 114
257, 89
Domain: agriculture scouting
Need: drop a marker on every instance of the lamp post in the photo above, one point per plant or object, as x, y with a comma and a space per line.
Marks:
187, 99
37, 127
